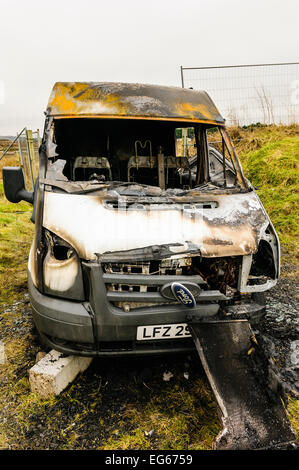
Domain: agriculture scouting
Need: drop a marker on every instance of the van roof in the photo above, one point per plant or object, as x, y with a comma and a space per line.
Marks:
133, 101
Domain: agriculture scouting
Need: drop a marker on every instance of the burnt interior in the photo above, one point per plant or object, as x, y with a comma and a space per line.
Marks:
218, 273
157, 153
263, 265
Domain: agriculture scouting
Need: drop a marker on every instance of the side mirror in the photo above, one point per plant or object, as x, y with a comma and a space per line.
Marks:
14, 185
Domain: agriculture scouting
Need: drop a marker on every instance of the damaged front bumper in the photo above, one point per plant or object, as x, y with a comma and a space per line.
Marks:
99, 327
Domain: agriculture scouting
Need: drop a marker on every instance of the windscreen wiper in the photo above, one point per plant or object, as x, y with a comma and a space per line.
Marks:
75, 187
83, 187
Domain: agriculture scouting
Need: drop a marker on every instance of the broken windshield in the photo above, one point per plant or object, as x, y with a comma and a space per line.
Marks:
143, 157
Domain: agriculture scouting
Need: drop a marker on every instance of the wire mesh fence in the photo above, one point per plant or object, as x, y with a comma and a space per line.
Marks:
247, 94
24, 148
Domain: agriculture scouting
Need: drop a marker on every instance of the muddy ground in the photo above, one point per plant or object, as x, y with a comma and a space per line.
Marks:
125, 403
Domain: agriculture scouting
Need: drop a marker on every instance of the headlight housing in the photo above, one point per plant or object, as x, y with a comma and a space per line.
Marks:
260, 271
62, 273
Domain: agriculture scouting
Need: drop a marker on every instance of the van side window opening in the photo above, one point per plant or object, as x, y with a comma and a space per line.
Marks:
145, 152
221, 167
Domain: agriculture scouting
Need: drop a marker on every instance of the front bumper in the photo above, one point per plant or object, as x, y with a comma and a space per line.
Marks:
98, 328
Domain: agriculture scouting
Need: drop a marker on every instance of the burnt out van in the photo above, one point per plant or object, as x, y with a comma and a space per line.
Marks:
144, 221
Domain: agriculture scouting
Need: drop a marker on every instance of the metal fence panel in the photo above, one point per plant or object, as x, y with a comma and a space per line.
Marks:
246, 94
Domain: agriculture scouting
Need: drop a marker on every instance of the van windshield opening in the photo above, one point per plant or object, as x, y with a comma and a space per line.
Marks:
165, 154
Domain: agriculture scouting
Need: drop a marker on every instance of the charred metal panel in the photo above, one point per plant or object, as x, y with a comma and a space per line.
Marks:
232, 228
133, 100
245, 387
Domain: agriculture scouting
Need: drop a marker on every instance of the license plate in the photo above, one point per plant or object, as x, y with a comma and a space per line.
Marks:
174, 331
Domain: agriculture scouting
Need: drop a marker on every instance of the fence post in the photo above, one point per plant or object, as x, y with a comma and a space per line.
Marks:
38, 139
182, 76
20, 153
31, 154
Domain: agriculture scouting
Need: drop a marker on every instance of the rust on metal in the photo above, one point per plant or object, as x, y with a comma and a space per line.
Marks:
133, 101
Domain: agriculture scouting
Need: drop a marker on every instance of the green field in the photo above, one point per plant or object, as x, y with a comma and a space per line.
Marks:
270, 159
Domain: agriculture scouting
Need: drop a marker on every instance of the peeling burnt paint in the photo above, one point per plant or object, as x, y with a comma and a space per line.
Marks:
216, 241
118, 100
235, 226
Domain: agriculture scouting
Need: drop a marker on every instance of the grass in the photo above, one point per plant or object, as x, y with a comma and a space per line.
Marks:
178, 418
293, 414
270, 156
16, 233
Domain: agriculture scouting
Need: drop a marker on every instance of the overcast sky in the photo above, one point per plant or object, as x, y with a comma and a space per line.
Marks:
142, 41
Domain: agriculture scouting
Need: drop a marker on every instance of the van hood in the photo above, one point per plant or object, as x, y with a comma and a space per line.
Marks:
221, 225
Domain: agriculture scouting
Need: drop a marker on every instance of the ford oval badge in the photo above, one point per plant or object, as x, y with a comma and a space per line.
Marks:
183, 294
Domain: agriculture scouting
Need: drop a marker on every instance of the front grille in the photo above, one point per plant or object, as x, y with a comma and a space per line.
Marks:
167, 266
135, 285
161, 206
